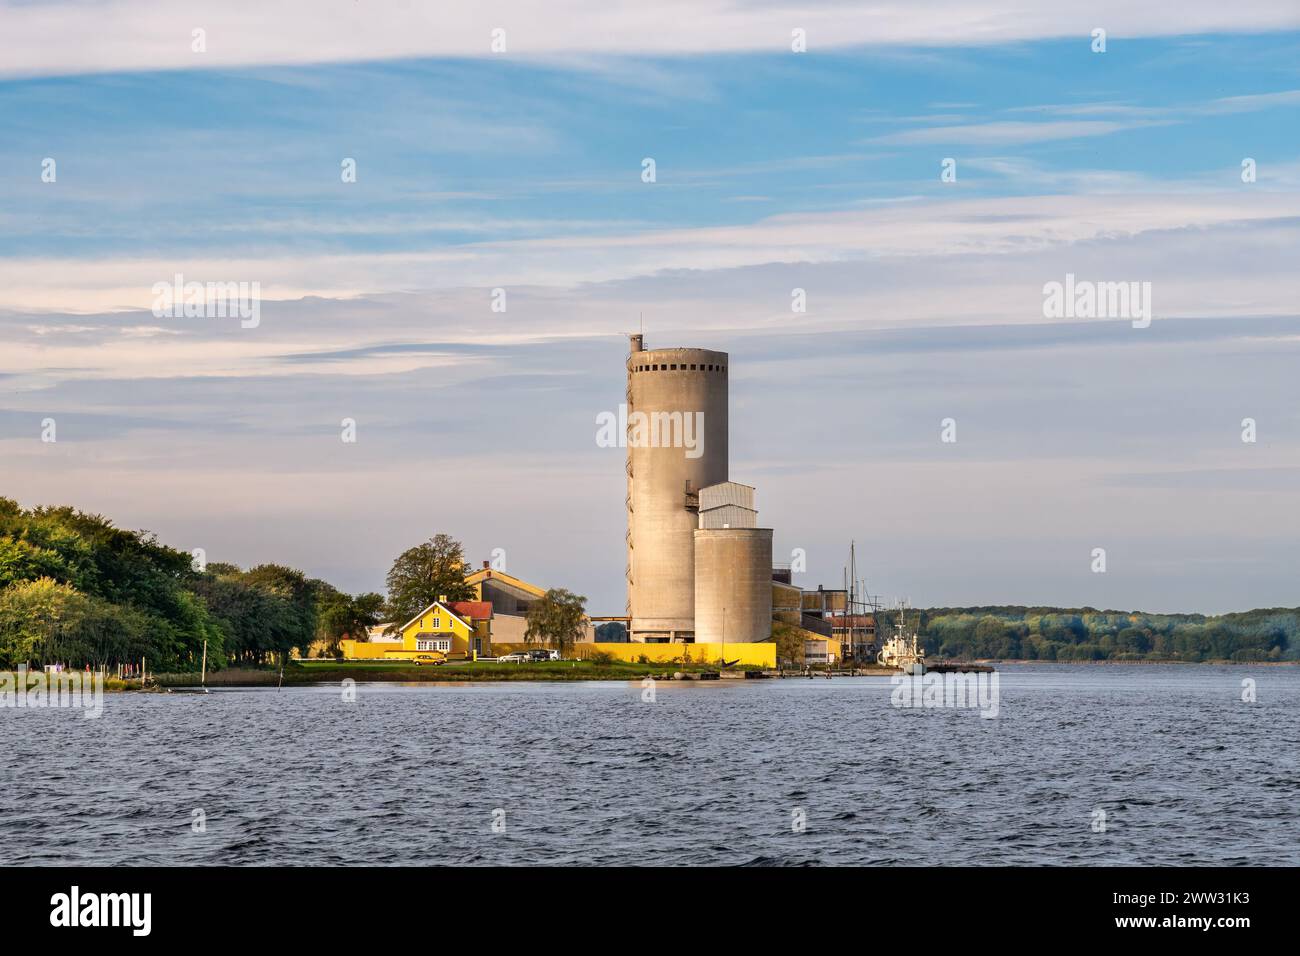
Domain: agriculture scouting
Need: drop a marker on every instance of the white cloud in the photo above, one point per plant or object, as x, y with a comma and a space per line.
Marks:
987, 226
76, 36
1002, 132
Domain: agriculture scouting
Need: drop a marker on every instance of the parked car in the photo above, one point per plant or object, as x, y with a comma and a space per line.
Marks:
539, 654
434, 658
513, 658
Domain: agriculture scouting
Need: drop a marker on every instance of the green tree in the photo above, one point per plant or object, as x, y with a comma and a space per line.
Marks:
425, 573
293, 623
33, 617
789, 642
559, 618
612, 632
338, 616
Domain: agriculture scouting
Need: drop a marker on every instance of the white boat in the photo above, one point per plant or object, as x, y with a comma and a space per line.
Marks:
903, 649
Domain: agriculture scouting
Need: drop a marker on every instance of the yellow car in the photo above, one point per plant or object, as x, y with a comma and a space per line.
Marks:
431, 657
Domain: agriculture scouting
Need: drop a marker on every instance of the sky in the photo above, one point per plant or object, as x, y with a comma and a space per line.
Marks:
221, 157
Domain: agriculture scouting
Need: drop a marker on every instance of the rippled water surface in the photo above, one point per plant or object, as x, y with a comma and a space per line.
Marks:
709, 773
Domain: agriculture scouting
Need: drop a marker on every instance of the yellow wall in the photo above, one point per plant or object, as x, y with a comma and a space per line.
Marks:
760, 654
366, 651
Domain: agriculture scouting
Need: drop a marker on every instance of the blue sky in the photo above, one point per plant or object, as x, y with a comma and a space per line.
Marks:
775, 170
451, 152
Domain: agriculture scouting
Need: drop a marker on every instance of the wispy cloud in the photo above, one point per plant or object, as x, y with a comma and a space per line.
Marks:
139, 35
1002, 133
983, 226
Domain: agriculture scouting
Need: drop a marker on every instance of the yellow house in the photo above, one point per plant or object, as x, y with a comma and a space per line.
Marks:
457, 629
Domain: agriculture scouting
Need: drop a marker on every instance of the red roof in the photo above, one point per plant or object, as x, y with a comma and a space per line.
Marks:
472, 610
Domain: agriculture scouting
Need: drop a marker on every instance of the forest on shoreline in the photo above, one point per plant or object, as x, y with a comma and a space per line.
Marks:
1008, 632
77, 590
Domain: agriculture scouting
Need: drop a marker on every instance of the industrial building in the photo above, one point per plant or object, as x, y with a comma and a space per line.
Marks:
510, 599
699, 569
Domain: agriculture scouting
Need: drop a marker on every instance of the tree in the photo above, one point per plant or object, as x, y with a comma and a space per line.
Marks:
339, 616
559, 618
366, 610
425, 573
612, 632
33, 617
789, 642
295, 623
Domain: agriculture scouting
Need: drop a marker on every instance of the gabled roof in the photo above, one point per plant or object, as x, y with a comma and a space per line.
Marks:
449, 611
483, 574
472, 610
727, 493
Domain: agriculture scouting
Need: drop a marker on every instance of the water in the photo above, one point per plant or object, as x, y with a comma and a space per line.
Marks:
711, 773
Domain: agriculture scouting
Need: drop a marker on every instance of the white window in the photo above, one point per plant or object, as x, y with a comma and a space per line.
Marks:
433, 644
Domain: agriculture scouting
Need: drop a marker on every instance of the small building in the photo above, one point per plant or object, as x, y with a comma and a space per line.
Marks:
510, 599
727, 505
444, 629
824, 650
825, 602
507, 593
856, 634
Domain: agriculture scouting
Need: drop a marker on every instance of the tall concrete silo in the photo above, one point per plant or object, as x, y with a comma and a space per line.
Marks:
682, 394
733, 584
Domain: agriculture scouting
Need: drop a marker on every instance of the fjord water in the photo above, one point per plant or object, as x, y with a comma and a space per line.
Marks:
709, 773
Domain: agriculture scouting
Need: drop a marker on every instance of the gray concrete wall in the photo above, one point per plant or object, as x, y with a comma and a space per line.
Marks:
733, 584
661, 544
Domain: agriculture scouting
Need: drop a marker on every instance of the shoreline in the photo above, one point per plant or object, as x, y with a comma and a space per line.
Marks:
332, 674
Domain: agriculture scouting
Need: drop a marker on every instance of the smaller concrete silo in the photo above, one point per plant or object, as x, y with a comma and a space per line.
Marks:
733, 584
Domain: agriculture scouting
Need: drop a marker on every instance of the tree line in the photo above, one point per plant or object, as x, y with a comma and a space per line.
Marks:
1087, 634
75, 589
78, 590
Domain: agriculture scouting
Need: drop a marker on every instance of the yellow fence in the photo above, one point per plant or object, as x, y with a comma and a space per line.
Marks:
366, 651
761, 655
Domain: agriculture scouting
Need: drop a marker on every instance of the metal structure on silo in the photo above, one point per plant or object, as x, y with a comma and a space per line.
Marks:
682, 391
733, 584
